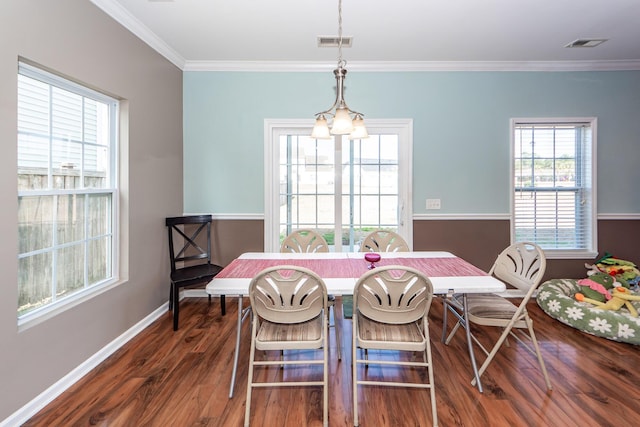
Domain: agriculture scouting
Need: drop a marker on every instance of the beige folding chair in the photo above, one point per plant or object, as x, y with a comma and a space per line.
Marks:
304, 241
521, 266
384, 241
310, 241
289, 306
390, 311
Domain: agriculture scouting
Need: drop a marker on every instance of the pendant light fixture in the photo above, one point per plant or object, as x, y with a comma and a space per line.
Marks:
345, 120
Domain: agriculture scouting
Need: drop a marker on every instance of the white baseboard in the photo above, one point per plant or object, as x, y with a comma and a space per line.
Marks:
43, 399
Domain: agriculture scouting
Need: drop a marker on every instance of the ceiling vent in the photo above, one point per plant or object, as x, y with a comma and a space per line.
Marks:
586, 43
332, 41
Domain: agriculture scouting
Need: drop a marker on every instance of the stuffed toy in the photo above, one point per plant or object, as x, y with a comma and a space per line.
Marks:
619, 297
624, 271
597, 286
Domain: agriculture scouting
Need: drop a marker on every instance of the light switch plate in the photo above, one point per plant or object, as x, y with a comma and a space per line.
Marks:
433, 203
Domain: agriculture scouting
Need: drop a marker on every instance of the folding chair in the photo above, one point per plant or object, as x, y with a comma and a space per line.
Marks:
391, 305
289, 306
522, 266
384, 241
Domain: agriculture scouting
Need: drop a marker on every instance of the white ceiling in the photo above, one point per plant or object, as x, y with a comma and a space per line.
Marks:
390, 35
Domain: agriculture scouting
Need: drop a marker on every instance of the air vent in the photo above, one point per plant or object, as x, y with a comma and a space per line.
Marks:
586, 43
333, 41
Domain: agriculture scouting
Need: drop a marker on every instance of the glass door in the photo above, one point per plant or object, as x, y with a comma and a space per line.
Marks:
342, 188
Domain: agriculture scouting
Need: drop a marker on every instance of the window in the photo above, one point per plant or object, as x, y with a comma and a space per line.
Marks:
66, 191
553, 185
343, 188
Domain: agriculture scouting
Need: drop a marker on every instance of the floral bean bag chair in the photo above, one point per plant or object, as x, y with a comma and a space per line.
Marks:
556, 298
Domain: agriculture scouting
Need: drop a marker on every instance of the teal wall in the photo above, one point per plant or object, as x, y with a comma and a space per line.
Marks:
461, 130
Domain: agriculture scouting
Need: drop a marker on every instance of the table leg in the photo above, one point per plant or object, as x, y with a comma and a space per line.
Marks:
470, 343
236, 354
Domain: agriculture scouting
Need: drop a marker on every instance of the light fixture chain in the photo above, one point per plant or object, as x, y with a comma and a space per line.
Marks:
340, 61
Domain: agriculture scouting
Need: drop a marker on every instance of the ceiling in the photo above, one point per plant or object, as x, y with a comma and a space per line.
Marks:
391, 35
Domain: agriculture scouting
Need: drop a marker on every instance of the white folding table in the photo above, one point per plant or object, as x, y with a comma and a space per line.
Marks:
340, 271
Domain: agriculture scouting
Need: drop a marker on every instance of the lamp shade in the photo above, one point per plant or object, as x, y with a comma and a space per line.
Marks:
342, 123
359, 129
320, 129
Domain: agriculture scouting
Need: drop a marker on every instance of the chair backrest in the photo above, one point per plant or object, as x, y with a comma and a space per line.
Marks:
187, 232
521, 265
384, 241
287, 294
393, 294
304, 241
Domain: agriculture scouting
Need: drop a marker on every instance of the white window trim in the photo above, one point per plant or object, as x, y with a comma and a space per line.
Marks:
273, 128
591, 252
49, 311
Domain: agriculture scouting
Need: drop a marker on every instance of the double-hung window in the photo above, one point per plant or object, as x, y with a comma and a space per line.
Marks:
67, 191
553, 185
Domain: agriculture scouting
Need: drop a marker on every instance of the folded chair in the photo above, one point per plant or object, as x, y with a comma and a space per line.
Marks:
521, 266
304, 241
289, 306
310, 241
390, 311
191, 263
384, 241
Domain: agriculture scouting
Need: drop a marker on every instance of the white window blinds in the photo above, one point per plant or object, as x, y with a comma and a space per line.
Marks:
553, 183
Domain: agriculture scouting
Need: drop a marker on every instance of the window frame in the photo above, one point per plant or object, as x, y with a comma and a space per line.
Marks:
111, 190
590, 224
274, 128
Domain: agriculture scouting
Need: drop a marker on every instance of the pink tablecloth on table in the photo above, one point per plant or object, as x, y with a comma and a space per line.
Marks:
352, 267
437, 267
325, 268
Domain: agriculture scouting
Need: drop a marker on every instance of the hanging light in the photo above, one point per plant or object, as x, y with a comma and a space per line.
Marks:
345, 120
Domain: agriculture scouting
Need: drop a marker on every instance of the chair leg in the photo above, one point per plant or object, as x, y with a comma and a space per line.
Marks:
252, 354
223, 306
494, 350
446, 307
354, 379
453, 332
445, 312
336, 326
171, 296
538, 353
325, 377
432, 389
176, 306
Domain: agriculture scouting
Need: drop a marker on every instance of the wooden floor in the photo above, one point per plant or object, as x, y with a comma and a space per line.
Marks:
166, 378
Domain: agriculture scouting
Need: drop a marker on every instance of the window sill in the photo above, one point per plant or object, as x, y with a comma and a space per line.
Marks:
43, 314
560, 254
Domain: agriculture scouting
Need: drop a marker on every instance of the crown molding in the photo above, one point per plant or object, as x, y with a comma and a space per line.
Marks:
131, 23
415, 66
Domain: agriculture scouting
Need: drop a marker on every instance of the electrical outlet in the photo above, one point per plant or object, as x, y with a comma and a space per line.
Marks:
433, 203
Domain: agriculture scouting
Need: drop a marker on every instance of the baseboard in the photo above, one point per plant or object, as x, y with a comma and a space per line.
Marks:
33, 407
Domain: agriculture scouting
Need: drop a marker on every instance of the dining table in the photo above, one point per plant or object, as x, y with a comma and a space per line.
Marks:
340, 271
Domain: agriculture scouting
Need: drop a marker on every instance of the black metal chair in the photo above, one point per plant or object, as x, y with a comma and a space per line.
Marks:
191, 265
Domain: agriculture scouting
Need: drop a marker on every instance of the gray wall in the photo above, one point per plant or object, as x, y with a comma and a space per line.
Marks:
75, 38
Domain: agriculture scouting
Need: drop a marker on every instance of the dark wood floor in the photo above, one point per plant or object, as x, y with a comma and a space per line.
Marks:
166, 378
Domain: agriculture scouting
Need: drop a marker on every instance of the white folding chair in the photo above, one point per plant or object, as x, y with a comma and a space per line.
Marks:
390, 311
306, 240
384, 241
289, 305
522, 266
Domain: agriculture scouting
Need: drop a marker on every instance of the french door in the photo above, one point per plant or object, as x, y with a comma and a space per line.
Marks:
342, 188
